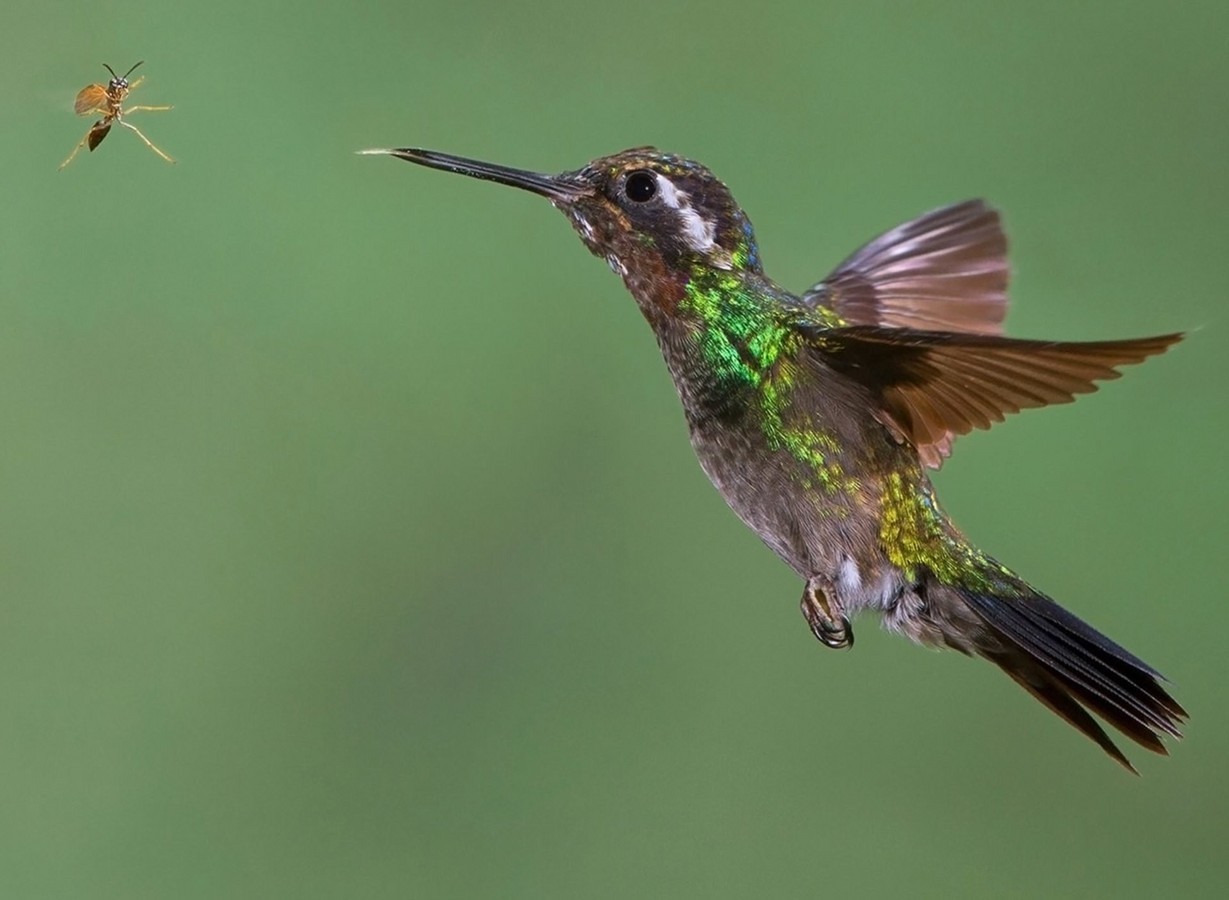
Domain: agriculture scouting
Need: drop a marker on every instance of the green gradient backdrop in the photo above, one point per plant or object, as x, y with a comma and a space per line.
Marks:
350, 542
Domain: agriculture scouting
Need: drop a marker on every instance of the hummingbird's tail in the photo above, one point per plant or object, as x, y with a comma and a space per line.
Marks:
1062, 661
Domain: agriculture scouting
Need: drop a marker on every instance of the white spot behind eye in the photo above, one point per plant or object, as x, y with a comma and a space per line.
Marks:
699, 233
669, 193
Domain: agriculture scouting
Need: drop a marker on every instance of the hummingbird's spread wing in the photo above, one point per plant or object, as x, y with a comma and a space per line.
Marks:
944, 271
936, 385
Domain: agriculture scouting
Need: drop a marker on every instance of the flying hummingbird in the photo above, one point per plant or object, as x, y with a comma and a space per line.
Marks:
817, 415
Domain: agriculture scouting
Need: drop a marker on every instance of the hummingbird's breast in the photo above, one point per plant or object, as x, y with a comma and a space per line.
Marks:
798, 457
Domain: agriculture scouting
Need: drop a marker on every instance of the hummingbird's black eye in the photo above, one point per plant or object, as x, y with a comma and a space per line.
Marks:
641, 186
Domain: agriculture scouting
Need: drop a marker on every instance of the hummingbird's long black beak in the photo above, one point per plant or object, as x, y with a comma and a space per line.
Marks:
556, 188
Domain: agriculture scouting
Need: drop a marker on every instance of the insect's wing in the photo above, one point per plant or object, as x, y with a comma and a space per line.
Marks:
98, 131
91, 99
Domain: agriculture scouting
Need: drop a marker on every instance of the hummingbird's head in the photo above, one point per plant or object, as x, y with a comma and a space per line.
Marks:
656, 218
645, 205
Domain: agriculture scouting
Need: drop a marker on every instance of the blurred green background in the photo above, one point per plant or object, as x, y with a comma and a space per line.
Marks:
350, 540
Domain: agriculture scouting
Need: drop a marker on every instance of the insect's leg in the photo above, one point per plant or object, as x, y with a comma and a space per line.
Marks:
77, 149
133, 109
148, 142
132, 85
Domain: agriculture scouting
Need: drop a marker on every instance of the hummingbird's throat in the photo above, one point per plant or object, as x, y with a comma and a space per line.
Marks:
588, 235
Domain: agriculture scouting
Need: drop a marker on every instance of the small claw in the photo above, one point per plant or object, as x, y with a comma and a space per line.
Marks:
831, 633
837, 637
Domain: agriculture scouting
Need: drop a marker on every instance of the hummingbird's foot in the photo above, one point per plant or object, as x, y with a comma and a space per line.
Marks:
830, 626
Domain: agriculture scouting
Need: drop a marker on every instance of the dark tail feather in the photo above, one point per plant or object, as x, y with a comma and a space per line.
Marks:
1073, 668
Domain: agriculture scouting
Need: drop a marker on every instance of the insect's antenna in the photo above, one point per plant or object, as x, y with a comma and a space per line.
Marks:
133, 69
112, 71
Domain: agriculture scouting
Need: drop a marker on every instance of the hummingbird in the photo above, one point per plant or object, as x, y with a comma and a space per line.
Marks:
818, 415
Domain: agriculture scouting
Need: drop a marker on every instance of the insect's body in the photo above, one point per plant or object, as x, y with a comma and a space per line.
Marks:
816, 415
107, 101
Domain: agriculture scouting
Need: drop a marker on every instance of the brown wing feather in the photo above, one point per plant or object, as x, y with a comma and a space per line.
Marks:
933, 386
943, 271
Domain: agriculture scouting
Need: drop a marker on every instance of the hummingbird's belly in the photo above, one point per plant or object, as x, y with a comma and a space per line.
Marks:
818, 527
